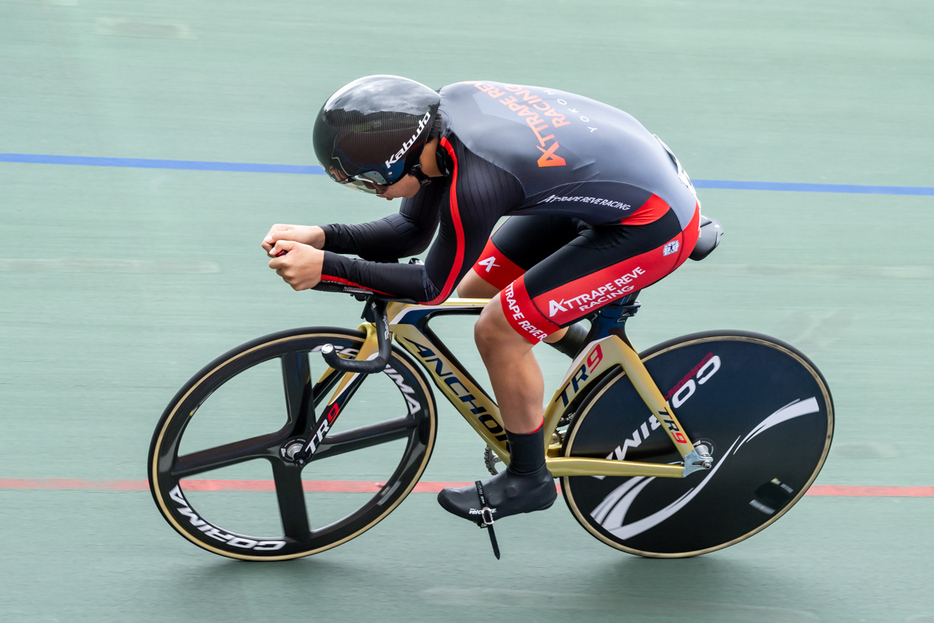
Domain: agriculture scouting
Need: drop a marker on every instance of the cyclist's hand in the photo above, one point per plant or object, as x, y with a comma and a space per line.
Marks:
306, 234
298, 264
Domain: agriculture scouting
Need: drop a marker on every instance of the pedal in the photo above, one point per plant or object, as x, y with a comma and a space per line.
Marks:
486, 519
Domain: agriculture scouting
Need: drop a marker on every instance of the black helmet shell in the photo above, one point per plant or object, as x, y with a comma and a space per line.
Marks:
374, 125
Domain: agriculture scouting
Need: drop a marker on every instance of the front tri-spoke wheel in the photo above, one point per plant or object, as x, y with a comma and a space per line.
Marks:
221, 466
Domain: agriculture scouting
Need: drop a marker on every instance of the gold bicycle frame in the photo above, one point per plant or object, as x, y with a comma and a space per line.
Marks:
408, 325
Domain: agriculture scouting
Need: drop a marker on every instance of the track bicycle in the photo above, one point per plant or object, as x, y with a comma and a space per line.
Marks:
686, 448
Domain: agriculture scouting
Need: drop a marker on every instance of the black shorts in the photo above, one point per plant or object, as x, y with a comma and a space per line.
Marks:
553, 270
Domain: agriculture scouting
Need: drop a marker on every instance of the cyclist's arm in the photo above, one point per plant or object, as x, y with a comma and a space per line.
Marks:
404, 234
467, 215
305, 234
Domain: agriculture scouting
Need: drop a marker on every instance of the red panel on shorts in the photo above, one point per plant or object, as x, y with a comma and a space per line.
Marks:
495, 268
522, 314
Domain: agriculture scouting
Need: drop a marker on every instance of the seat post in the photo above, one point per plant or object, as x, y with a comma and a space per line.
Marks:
611, 319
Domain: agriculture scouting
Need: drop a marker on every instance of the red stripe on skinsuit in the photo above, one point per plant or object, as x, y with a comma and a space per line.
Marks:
652, 210
458, 230
347, 282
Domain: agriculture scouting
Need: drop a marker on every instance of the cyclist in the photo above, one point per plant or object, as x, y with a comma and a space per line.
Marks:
598, 207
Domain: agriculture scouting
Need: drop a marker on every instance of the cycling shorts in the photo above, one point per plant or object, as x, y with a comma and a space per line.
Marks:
553, 270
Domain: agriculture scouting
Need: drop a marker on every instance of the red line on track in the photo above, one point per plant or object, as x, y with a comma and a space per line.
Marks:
321, 486
849, 491
73, 484
360, 486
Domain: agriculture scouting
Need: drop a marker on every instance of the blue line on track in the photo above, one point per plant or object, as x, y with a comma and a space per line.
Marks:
245, 167
816, 188
145, 163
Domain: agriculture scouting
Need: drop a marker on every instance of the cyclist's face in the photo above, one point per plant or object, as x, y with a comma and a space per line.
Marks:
406, 188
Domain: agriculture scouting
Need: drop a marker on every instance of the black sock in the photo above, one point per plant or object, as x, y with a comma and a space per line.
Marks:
526, 451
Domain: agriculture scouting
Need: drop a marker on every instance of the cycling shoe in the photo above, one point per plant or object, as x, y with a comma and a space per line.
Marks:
507, 493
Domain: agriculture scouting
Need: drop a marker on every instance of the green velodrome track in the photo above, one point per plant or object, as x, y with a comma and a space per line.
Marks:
146, 148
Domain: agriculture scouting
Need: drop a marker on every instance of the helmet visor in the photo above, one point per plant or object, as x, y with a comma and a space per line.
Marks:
366, 186
371, 182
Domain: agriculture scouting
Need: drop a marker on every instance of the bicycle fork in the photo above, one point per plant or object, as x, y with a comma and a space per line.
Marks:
302, 450
695, 458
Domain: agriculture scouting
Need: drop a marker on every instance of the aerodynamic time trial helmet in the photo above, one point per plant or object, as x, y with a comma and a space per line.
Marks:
370, 133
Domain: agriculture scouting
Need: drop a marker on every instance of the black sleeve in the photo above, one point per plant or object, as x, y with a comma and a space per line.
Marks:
468, 207
404, 234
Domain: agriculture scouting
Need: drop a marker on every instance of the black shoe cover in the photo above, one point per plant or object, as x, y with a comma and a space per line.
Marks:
507, 493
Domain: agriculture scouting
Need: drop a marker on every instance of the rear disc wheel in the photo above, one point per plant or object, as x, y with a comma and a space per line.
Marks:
760, 406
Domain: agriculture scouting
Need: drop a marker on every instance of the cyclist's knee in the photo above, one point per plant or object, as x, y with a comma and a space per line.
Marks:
483, 332
492, 331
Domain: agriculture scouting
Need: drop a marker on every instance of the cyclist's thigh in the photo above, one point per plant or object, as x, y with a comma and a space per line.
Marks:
597, 267
521, 243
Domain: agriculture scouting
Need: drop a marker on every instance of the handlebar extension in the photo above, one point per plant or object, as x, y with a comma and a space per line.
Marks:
367, 366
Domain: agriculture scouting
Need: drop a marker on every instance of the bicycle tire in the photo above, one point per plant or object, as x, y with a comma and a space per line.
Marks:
314, 515
762, 406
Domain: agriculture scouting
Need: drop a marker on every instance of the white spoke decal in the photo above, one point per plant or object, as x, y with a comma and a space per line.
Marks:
611, 500
615, 517
611, 512
788, 412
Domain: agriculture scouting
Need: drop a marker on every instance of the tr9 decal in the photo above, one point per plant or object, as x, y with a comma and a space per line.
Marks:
677, 396
581, 374
675, 431
311, 446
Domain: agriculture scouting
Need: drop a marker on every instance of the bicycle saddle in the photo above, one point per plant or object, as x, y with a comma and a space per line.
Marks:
709, 238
